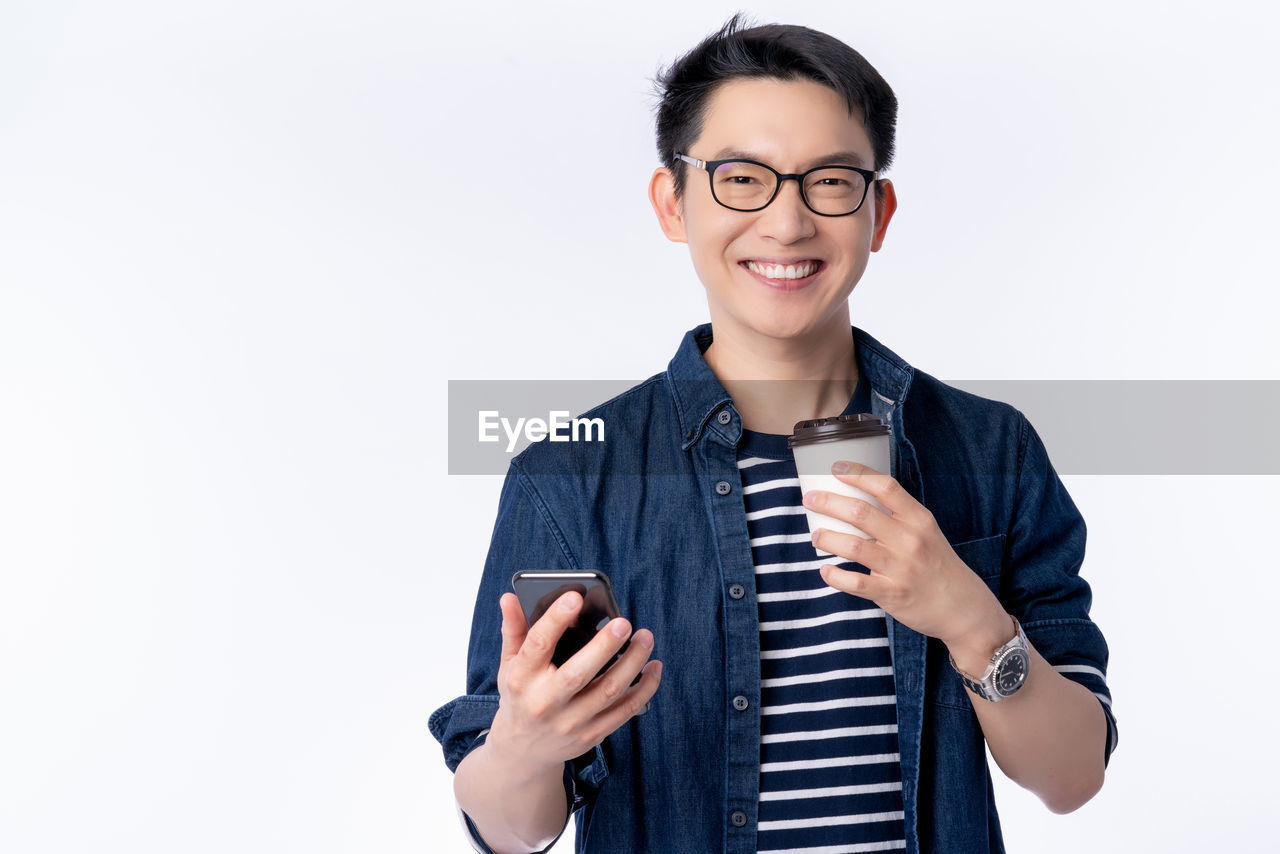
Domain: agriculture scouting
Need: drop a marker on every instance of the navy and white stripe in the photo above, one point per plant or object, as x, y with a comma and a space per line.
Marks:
830, 779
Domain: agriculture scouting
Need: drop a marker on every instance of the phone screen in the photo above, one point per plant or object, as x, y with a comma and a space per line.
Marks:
539, 589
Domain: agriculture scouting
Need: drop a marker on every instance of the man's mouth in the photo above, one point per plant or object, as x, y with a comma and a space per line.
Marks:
783, 272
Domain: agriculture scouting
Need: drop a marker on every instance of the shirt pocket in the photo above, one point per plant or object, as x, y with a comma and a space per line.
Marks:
984, 556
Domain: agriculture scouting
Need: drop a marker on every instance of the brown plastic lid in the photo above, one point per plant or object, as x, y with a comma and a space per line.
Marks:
854, 426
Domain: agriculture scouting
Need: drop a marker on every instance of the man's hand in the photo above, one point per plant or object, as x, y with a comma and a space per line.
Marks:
915, 575
548, 715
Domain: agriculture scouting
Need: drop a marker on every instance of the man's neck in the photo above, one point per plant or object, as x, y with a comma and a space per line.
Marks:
776, 382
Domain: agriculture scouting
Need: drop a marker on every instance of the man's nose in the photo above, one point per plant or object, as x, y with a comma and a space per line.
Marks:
787, 218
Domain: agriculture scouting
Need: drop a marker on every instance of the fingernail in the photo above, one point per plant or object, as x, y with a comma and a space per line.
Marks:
839, 467
810, 498
824, 571
619, 629
567, 603
816, 532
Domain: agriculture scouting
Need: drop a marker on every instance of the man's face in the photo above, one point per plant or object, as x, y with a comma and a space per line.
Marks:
792, 126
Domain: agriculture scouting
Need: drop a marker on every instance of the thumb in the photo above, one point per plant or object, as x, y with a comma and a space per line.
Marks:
514, 626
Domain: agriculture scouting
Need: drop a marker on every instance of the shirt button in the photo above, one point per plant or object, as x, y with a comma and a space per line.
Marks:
724, 417
740, 703
739, 818
723, 488
737, 591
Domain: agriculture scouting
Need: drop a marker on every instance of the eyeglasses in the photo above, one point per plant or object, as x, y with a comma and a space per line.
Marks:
746, 185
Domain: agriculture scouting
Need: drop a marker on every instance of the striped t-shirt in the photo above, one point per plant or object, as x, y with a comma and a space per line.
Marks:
830, 781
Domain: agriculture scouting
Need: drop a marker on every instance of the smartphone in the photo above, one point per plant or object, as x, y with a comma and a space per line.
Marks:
538, 589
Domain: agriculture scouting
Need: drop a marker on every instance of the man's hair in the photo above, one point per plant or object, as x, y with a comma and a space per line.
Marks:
780, 51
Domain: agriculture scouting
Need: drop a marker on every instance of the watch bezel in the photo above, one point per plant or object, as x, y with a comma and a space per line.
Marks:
1002, 662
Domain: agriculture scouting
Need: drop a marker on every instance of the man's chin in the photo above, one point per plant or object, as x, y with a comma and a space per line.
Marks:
781, 327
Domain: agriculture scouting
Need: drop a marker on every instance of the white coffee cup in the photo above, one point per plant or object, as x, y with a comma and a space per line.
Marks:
817, 444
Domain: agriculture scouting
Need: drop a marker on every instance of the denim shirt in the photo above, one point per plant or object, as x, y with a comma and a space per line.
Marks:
658, 507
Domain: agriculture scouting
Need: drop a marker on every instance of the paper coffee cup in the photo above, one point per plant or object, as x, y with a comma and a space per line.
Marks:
817, 444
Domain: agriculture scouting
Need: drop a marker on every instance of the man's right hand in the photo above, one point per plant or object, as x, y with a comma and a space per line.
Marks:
547, 714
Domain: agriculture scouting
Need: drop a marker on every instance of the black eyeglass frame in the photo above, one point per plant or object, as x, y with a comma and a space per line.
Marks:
710, 167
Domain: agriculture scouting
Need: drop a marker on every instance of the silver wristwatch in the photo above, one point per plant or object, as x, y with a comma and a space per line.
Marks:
1006, 672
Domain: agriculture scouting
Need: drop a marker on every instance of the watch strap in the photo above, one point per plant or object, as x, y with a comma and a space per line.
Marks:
975, 687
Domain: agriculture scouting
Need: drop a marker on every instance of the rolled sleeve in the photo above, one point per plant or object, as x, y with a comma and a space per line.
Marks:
1042, 584
458, 725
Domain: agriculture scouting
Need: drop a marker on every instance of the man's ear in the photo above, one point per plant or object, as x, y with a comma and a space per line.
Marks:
670, 210
886, 203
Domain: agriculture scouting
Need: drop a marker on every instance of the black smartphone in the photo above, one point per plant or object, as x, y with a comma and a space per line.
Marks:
538, 589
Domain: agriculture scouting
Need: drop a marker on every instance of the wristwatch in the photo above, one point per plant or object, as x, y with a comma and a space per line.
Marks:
1006, 672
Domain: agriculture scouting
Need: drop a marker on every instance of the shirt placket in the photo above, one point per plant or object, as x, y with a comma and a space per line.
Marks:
741, 627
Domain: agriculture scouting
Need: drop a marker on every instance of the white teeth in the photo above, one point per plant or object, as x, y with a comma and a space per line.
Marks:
778, 271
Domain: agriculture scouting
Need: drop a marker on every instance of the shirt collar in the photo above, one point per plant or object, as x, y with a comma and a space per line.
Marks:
698, 394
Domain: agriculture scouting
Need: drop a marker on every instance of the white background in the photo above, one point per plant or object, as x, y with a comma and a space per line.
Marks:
244, 245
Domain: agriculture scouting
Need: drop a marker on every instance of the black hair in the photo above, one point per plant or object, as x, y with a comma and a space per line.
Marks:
781, 51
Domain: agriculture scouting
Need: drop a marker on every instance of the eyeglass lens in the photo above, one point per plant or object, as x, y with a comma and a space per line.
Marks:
748, 186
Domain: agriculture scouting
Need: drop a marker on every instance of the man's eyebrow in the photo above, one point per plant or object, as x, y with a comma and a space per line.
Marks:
839, 158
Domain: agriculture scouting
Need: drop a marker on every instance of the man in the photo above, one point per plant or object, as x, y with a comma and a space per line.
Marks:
805, 703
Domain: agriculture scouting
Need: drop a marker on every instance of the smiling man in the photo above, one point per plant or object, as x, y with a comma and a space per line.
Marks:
806, 704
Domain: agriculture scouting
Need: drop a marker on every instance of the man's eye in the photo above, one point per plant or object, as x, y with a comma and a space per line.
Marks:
834, 182
740, 179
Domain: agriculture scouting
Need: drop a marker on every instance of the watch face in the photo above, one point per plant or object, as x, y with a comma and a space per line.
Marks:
1011, 672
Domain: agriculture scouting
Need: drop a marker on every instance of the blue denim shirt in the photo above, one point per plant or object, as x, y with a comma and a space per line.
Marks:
649, 507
